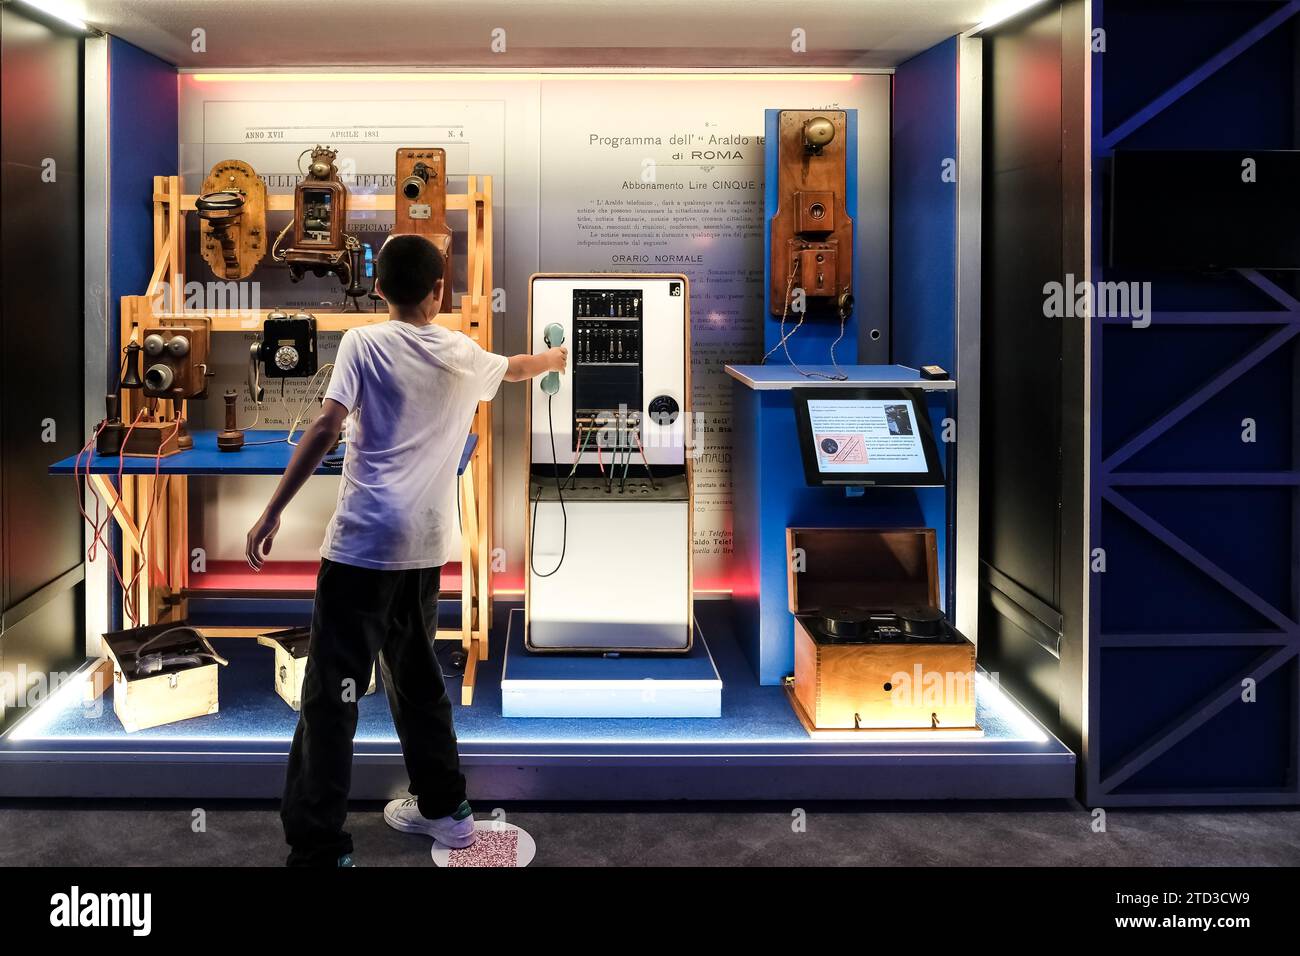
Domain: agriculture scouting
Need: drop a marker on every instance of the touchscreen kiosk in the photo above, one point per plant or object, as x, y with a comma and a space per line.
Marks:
866, 436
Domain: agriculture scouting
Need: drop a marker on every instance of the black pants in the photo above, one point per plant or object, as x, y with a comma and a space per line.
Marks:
360, 613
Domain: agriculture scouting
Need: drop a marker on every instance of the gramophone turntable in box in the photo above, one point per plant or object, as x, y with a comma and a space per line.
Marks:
872, 650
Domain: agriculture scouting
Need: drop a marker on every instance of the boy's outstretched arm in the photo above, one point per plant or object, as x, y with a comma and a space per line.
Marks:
316, 441
523, 367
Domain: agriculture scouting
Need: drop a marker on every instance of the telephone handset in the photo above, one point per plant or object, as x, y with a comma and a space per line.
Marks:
255, 390
812, 232
553, 336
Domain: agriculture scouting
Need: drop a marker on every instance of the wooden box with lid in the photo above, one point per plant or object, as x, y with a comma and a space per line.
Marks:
872, 650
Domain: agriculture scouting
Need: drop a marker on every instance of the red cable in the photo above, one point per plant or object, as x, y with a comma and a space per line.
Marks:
128, 597
97, 525
645, 460
145, 565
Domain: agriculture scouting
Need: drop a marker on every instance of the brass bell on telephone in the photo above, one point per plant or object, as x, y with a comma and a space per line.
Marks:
817, 134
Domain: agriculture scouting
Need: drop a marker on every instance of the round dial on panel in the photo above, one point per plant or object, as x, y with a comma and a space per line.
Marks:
663, 409
286, 357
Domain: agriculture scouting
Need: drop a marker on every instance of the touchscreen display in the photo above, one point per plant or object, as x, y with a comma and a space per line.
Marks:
866, 436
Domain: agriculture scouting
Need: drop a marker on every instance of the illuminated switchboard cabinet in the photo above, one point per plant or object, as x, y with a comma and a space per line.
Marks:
609, 477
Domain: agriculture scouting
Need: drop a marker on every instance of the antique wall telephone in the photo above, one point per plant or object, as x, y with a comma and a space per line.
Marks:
174, 355
811, 231
320, 243
176, 360
232, 211
287, 349
420, 205
288, 346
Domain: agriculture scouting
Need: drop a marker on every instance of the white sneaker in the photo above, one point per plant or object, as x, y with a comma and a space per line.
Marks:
456, 831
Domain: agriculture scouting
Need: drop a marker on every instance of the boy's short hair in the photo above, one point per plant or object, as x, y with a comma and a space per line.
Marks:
409, 267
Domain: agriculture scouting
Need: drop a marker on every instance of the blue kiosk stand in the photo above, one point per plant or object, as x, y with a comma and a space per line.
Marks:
771, 495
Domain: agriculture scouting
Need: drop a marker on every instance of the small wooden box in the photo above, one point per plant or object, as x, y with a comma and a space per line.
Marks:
291, 663
177, 692
903, 684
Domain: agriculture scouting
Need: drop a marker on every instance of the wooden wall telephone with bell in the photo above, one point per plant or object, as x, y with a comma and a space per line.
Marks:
320, 242
812, 233
232, 210
176, 359
420, 206
174, 353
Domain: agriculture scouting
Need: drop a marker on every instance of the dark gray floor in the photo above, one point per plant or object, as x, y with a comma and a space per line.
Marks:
1053, 834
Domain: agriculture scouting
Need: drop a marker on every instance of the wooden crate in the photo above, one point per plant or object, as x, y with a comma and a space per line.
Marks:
858, 686
902, 685
177, 693
291, 664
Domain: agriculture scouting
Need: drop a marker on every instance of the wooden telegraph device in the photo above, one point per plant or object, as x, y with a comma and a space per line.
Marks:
872, 650
232, 210
420, 203
812, 232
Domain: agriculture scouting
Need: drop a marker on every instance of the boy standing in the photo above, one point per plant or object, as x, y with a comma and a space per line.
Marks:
411, 387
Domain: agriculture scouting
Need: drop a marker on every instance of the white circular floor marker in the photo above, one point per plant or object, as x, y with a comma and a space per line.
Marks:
498, 844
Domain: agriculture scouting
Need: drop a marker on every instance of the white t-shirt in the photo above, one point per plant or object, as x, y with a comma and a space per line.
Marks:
411, 392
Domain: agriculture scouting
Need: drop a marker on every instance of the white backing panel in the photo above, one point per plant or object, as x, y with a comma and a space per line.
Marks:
624, 578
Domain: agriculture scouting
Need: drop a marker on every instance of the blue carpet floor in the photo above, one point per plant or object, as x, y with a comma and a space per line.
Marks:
251, 710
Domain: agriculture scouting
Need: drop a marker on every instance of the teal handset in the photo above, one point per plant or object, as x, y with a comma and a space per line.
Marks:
554, 336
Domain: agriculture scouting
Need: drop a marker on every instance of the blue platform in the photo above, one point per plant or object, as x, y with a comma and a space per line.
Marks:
598, 686
756, 749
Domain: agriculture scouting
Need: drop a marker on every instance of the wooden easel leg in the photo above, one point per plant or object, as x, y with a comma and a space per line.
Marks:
471, 676
98, 679
468, 520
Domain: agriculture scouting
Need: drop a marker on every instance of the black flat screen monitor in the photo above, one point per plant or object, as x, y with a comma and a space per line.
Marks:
1204, 210
866, 437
